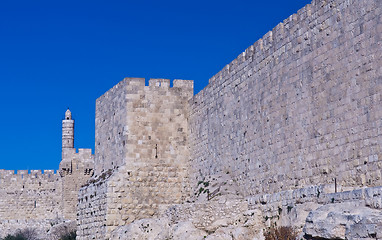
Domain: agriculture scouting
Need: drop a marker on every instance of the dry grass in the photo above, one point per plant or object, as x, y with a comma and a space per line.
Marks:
281, 233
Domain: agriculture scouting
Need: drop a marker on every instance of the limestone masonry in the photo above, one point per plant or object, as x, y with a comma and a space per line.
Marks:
287, 134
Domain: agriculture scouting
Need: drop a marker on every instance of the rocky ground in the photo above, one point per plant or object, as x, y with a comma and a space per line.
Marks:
217, 211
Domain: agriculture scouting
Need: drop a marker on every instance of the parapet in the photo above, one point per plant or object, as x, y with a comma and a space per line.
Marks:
134, 81
4, 173
85, 153
133, 85
182, 87
159, 82
10, 175
74, 160
186, 84
85, 150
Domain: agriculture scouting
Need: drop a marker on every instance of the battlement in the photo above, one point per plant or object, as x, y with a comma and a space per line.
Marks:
79, 150
80, 160
133, 85
4, 172
27, 175
158, 82
87, 151
72, 152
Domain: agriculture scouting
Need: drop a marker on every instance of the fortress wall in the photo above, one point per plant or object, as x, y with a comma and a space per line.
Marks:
302, 106
29, 196
155, 149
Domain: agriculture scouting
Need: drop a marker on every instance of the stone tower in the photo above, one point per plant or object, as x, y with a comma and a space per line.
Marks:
75, 167
141, 154
68, 130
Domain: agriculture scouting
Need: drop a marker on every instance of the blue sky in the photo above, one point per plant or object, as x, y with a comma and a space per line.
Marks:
59, 54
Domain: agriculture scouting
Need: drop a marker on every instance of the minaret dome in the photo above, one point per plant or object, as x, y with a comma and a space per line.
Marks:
68, 115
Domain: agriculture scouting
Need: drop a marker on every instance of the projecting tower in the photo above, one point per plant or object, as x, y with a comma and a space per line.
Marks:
68, 130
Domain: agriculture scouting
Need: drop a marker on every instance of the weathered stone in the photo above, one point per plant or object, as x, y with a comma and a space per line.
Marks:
348, 220
56, 232
155, 229
186, 230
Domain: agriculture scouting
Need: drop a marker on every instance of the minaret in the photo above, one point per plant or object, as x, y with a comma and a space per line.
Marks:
68, 131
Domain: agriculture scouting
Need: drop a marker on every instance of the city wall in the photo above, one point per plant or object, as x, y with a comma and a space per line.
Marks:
300, 107
29, 198
33, 195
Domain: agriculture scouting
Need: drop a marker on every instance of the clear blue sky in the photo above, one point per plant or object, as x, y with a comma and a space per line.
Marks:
59, 54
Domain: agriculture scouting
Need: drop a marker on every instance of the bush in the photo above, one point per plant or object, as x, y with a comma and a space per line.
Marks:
16, 237
26, 234
69, 236
281, 233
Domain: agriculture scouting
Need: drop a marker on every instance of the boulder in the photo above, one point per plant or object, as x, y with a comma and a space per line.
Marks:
347, 220
150, 229
186, 230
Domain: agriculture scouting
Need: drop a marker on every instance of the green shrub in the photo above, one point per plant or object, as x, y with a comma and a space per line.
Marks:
15, 237
69, 236
25, 234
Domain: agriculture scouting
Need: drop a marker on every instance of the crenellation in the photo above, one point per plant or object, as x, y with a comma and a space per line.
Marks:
23, 177
135, 81
7, 172
22, 172
157, 82
85, 151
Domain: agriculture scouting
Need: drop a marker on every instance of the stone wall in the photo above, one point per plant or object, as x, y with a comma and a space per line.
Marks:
302, 106
33, 195
29, 197
110, 120
92, 207
141, 136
